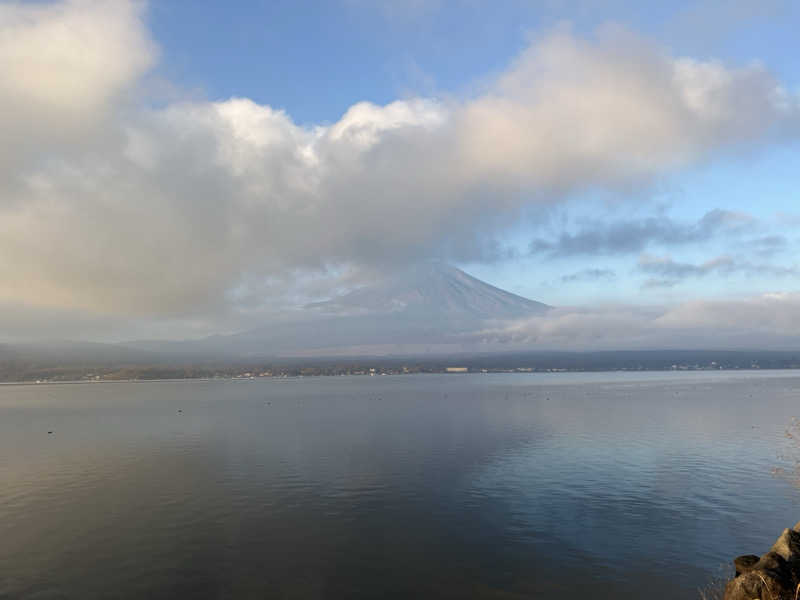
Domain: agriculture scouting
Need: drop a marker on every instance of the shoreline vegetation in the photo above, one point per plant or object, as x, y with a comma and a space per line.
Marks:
200, 374
74, 363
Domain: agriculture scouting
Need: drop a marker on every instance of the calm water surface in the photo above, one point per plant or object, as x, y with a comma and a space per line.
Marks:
473, 486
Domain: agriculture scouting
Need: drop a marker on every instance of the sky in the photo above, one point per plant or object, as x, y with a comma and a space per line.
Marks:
176, 169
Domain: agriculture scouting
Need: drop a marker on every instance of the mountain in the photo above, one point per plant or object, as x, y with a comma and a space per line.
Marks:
424, 308
433, 289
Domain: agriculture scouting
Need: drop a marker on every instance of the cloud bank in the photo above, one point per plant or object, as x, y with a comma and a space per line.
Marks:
635, 235
763, 321
115, 206
669, 272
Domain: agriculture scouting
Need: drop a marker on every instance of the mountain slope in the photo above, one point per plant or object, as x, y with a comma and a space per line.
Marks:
425, 307
434, 289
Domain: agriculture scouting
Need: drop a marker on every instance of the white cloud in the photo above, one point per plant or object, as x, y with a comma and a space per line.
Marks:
774, 314
114, 207
65, 70
71, 58
572, 113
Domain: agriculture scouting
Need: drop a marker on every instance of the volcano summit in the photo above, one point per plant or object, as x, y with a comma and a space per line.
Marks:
425, 308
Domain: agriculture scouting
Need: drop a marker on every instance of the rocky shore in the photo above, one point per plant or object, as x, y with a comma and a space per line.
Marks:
771, 576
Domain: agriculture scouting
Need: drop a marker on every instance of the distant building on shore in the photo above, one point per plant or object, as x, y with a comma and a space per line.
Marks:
456, 370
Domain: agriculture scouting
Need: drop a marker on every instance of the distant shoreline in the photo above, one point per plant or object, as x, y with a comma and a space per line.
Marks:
458, 374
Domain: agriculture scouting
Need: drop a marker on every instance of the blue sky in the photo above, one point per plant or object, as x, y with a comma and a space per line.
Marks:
187, 167
315, 59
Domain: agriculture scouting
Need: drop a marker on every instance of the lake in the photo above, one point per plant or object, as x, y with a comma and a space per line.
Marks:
609, 485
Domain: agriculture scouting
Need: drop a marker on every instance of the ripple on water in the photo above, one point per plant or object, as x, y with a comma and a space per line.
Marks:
478, 486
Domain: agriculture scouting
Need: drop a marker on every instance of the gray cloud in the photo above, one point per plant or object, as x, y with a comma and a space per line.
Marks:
768, 245
589, 275
668, 268
669, 273
634, 235
114, 208
655, 283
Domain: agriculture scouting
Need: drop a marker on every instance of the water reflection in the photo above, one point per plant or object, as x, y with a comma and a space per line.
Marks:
495, 486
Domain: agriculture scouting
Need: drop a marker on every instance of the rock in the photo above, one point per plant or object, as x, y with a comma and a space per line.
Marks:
757, 585
745, 563
787, 545
773, 576
773, 565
